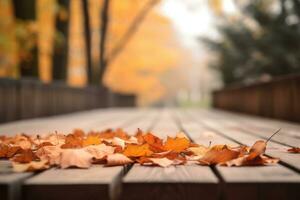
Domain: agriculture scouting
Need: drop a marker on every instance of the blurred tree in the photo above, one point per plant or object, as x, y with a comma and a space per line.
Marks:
59, 67
26, 36
103, 37
8, 44
87, 34
265, 42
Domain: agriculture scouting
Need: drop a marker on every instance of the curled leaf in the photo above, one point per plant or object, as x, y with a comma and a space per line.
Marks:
258, 148
31, 166
216, 156
117, 159
100, 151
246, 161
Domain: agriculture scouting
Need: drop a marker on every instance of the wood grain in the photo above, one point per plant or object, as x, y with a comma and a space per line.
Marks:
180, 182
245, 182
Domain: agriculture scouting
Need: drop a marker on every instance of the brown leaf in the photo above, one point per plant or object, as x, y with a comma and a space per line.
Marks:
294, 150
256, 161
73, 141
155, 143
25, 156
216, 156
8, 151
117, 159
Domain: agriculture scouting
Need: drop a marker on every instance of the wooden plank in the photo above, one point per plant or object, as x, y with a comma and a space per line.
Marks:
247, 182
92, 183
176, 182
258, 123
274, 149
86, 120
96, 182
10, 184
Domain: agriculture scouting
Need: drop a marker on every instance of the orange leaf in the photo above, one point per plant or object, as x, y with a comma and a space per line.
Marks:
258, 148
216, 156
91, 140
133, 150
177, 144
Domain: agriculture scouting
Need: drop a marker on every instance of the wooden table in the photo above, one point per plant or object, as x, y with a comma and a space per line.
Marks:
281, 181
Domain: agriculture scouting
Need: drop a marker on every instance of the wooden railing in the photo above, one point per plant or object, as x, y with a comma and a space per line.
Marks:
279, 98
26, 98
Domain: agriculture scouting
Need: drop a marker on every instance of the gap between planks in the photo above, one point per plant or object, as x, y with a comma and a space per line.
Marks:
255, 181
175, 182
129, 117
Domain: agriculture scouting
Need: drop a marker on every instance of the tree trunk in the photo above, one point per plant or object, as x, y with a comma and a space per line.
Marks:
87, 34
104, 24
60, 54
25, 10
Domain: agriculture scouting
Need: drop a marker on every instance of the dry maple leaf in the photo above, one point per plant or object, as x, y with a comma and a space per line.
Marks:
120, 133
133, 150
91, 140
177, 144
31, 166
52, 154
294, 150
73, 141
155, 143
245, 161
75, 158
117, 159
25, 156
216, 156
78, 133
132, 140
258, 148
199, 151
119, 142
8, 151
139, 136
100, 151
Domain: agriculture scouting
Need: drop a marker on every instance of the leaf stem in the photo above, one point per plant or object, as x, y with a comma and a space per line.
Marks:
273, 135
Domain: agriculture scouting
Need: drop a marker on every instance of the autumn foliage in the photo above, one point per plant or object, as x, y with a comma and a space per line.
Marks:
116, 147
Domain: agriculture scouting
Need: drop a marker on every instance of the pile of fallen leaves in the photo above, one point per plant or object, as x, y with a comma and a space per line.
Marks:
116, 147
